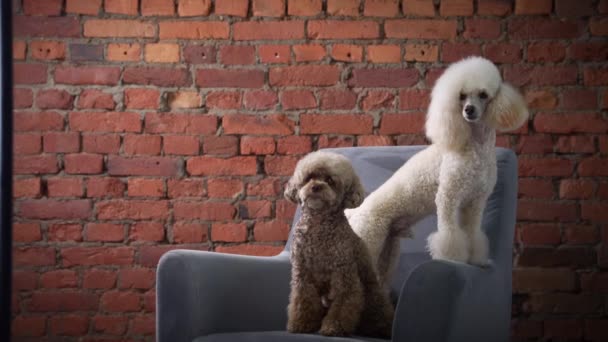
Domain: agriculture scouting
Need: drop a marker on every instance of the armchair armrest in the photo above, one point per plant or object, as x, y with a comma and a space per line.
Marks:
199, 293
449, 301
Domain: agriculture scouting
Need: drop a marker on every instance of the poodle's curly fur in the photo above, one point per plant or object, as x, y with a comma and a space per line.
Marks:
334, 289
454, 176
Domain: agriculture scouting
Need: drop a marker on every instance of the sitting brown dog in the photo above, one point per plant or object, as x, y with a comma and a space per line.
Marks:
334, 288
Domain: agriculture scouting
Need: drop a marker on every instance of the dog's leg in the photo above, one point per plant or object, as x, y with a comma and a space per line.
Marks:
450, 242
471, 216
305, 311
346, 295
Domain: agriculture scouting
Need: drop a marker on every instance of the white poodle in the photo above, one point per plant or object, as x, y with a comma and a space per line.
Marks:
454, 176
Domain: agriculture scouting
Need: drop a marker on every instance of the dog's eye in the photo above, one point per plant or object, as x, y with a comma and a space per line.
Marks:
330, 181
462, 97
483, 95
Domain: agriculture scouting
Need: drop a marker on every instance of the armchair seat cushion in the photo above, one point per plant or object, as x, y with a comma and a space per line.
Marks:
279, 336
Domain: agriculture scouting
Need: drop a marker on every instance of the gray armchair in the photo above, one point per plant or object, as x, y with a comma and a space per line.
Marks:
203, 296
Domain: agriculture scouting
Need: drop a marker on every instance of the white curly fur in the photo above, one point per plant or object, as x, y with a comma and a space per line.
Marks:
454, 175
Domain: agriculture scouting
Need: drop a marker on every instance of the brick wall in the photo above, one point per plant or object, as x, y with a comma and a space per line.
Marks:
146, 126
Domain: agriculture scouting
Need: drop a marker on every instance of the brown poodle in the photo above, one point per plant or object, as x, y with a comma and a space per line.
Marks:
334, 288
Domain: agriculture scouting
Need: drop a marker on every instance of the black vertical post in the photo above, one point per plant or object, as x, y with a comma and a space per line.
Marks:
6, 167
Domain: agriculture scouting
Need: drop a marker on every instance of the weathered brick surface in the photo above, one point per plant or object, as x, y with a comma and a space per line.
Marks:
143, 126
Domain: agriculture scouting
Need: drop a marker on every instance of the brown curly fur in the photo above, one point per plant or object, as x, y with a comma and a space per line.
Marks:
334, 288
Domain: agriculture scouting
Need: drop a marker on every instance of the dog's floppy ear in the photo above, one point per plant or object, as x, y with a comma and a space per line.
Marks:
507, 110
355, 194
291, 191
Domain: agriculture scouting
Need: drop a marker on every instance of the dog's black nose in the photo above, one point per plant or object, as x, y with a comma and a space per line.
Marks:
316, 188
469, 110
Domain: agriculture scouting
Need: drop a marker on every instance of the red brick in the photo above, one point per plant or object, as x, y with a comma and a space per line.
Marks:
189, 232
285, 210
132, 209
231, 7
503, 52
22, 98
26, 143
533, 6
541, 99
257, 145
559, 303
212, 211
82, 75
305, 75
56, 142
145, 187
157, 76
247, 249
335, 142
223, 100
120, 301
63, 301
58, 279
42, 7
29, 73
392, 78
180, 145
38, 121
453, 52
544, 52
343, 7
481, 28
280, 165
224, 188
381, 8
229, 232
181, 123
105, 187
157, 7
237, 54
35, 164
563, 328
255, 209
211, 166
384, 54
338, 99
493, 7
298, 99
19, 50
401, 123
225, 145
588, 51
594, 329
456, 7
89, 256
271, 231
603, 144
184, 100
65, 232
150, 301
413, 99
535, 188
143, 325
593, 166
420, 28
265, 187
602, 6
28, 326
136, 278
51, 209
47, 50
598, 26
142, 166
569, 9
542, 28
46, 27
142, 144
336, 123
576, 144
260, 99
570, 123
549, 166
90, 7
54, 99
141, 98
581, 235
193, 30
595, 76
521, 328
64, 187
128, 7
268, 8
347, 53
541, 76
377, 100
535, 144
106, 232
274, 53
83, 163
71, 325
27, 187
273, 124
268, 30
147, 231
26, 232
538, 279
304, 8
546, 211
309, 52
340, 29
421, 53
110, 325
294, 145
100, 143
95, 99
33, 256
374, 140
191, 8
232, 78
421, 8
126, 52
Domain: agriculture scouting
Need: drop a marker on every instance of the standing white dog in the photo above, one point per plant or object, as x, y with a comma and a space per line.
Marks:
454, 176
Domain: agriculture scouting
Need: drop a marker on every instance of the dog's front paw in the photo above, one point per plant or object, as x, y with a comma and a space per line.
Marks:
332, 328
449, 245
302, 327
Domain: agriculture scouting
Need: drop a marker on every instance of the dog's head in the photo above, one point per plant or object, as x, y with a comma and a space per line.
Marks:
325, 180
472, 92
